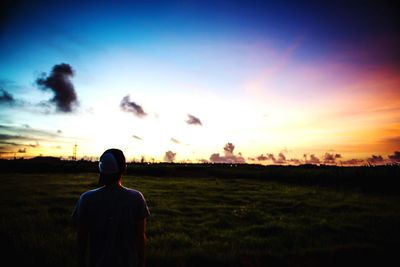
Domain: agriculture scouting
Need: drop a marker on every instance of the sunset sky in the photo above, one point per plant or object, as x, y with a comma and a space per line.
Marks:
289, 83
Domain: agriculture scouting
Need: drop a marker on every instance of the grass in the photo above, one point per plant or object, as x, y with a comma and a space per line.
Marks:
208, 221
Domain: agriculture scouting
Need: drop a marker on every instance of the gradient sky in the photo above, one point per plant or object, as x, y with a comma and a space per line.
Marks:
316, 77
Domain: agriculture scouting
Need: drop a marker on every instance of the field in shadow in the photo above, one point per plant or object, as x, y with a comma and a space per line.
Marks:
209, 221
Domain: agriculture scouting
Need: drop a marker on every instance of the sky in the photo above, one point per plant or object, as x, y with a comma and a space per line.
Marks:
201, 81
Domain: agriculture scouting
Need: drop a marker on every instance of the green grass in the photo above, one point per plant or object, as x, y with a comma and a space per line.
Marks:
205, 222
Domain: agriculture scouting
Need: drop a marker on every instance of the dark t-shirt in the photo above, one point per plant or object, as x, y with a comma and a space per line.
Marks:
110, 215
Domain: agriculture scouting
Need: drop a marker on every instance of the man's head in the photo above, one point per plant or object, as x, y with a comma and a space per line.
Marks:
111, 166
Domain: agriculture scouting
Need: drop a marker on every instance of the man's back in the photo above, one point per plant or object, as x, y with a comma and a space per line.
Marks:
111, 215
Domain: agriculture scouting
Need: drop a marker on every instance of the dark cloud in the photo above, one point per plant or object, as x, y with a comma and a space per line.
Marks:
268, 156
375, 159
128, 106
59, 82
22, 150
216, 158
6, 98
294, 161
193, 120
169, 156
312, 160
228, 149
395, 157
4, 138
330, 158
229, 156
281, 159
262, 157
35, 145
137, 137
352, 162
176, 141
17, 140
59, 132
22, 136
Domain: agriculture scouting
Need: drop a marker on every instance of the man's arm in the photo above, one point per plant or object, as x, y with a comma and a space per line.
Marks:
82, 238
141, 241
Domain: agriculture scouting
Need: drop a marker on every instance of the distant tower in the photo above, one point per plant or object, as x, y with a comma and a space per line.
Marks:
74, 152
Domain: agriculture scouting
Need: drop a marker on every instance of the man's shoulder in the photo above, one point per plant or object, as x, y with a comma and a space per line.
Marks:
91, 193
132, 192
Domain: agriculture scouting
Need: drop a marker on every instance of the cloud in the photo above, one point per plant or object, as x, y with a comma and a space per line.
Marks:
193, 120
395, 157
128, 106
22, 150
17, 141
281, 159
312, 160
176, 141
27, 130
35, 145
59, 82
228, 149
6, 98
294, 161
59, 132
22, 136
352, 162
137, 137
330, 158
229, 156
375, 159
5, 138
262, 157
169, 156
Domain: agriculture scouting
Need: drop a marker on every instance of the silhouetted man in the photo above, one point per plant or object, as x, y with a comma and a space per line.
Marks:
111, 218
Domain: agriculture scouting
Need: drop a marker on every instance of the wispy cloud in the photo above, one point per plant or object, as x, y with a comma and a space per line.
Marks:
193, 120
176, 141
393, 141
6, 98
20, 137
129, 106
28, 131
137, 137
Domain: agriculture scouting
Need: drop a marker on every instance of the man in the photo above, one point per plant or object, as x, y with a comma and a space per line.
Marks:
111, 219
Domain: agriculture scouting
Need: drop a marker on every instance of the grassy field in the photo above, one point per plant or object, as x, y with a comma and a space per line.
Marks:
208, 222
